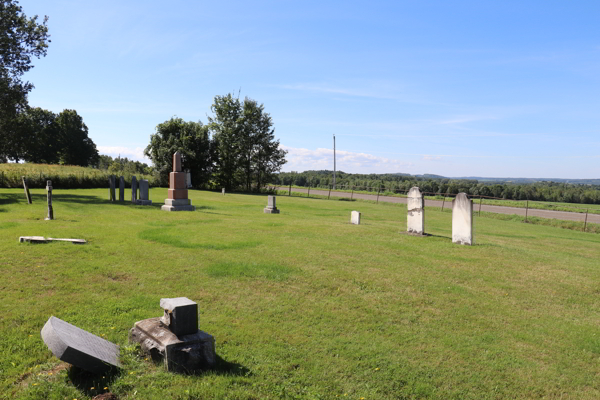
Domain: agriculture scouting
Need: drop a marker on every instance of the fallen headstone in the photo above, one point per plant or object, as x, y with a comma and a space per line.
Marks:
80, 348
26, 187
355, 218
50, 209
188, 350
463, 226
271, 205
415, 220
41, 239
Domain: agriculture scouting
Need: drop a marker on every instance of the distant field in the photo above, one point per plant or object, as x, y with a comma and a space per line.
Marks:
303, 305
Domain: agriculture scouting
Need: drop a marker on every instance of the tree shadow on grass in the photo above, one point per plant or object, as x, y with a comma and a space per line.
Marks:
8, 198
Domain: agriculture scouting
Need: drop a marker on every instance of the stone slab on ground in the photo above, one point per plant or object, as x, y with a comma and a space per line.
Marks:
185, 353
355, 217
80, 348
41, 239
463, 223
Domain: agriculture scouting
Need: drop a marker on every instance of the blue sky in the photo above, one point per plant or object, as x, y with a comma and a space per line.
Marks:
460, 88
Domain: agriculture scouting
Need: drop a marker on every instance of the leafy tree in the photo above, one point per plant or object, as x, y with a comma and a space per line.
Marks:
43, 135
21, 38
189, 138
76, 147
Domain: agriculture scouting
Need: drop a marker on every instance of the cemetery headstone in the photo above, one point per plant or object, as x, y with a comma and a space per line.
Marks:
188, 180
26, 187
111, 189
80, 348
49, 194
121, 189
355, 218
144, 193
41, 239
133, 189
223, 191
271, 205
415, 220
463, 227
178, 194
175, 337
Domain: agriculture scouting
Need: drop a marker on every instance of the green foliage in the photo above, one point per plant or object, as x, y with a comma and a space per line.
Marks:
191, 140
76, 147
21, 38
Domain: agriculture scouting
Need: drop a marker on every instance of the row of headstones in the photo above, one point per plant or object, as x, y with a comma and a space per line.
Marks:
143, 187
463, 227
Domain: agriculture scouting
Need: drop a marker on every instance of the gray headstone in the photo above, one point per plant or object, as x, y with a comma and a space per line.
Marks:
415, 220
133, 189
188, 180
271, 206
144, 193
80, 348
111, 189
26, 187
355, 218
463, 227
50, 209
181, 315
121, 189
223, 191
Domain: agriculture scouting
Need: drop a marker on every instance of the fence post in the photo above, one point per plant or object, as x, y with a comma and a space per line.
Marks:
585, 223
526, 208
378, 189
290, 192
352, 194
329, 195
480, 205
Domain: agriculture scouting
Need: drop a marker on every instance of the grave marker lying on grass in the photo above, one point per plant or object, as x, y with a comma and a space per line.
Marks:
80, 348
175, 337
41, 239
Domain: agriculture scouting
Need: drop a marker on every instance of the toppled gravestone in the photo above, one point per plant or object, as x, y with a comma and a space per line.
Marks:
80, 348
175, 337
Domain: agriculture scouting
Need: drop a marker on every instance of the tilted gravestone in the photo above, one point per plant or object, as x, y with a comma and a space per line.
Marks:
80, 348
111, 188
415, 220
121, 189
355, 218
175, 337
26, 187
50, 209
178, 194
144, 193
271, 205
463, 226
133, 189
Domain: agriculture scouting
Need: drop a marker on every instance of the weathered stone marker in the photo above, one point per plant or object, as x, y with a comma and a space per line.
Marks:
50, 210
41, 239
80, 348
121, 189
415, 220
178, 194
188, 180
271, 207
355, 218
26, 187
463, 226
223, 191
111, 188
188, 350
144, 193
133, 189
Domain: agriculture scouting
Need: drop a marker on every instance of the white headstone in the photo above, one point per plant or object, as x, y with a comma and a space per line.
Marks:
463, 226
355, 218
415, 220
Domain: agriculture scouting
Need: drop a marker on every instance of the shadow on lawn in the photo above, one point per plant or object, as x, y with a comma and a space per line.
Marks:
8, 198
92, 384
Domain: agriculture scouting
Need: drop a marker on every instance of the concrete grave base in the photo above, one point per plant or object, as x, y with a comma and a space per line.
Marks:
178, 208
268, 210
184, 353
143, 202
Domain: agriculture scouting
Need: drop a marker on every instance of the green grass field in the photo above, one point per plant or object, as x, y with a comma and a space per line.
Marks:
302, 305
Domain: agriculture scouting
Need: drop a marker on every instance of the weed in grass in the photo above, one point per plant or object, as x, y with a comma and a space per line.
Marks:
267, 270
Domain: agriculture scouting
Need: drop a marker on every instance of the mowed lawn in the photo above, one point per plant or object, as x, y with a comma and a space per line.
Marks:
302, 305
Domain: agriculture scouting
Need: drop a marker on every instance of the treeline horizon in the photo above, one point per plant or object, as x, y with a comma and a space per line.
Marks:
399, 183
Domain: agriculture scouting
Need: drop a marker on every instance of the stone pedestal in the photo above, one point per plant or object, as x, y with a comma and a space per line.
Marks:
355, 218
189, 349
463, 226
178, 194
415, 220
271, 207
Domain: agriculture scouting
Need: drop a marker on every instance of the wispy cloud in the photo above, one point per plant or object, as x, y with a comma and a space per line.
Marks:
136, 154
321, 88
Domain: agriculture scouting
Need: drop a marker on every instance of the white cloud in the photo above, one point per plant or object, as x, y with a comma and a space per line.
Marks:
299, 159
136, 154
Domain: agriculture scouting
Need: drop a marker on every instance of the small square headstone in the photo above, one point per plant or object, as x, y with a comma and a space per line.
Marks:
355, 218
181, 315
271, 206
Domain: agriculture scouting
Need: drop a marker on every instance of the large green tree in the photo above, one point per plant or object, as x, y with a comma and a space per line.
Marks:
76, 147
191, 140
246, 152
21, 38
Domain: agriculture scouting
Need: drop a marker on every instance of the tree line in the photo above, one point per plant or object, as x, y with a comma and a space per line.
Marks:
399, 183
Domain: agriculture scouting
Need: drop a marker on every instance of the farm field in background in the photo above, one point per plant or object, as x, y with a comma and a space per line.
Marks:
302, 304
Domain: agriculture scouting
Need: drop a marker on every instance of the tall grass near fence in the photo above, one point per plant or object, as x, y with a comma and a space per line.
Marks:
62, 176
